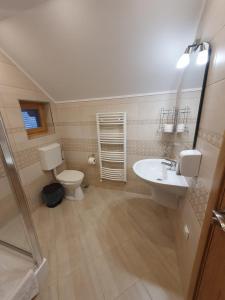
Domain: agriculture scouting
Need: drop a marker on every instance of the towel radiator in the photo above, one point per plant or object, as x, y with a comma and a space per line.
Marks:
112, 136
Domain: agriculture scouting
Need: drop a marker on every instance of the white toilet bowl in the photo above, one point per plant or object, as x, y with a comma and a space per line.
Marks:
71, 180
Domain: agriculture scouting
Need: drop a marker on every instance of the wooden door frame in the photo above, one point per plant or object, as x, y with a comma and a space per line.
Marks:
217, 189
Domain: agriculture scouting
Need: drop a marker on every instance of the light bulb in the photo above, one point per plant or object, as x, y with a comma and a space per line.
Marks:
203, 57
184, 61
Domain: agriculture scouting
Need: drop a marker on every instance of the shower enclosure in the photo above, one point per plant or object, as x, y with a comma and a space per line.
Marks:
17, 233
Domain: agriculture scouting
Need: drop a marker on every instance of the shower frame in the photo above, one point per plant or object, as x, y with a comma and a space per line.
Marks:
6, 155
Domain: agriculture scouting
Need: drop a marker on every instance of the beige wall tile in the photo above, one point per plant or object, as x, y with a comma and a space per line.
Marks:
209, 159
143, 118
8, 204
12, 95
4, 59
213, 109
217, 64
1, 100
192, 211
33, 190
76, 157
14, 117
186, 248
32, 172
20, 137
11, 76
4, 117
151, 109
9, 210
77, 126
14, 85
5, 187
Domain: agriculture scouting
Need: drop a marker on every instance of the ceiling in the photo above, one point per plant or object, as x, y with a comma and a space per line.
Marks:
10, 8
79, 49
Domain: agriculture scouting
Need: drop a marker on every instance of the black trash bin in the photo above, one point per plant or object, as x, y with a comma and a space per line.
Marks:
53, 194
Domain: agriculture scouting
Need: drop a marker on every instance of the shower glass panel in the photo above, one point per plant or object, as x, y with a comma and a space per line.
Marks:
12, 227
16, 227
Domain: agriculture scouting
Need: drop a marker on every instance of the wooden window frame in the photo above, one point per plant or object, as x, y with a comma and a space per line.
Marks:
40, 106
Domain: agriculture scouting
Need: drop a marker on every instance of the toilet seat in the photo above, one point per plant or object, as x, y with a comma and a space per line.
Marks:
70, 176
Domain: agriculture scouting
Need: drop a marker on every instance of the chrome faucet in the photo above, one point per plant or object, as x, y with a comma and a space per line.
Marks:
171, 163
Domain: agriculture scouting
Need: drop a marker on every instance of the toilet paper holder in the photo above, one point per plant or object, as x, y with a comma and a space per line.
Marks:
92, 159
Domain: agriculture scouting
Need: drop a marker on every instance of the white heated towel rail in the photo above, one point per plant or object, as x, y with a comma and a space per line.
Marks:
112, 136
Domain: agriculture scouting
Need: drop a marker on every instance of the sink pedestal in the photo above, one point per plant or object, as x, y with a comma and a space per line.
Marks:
165, 198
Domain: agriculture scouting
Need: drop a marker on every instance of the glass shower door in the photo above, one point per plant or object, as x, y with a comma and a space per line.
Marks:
12, 227
16, 227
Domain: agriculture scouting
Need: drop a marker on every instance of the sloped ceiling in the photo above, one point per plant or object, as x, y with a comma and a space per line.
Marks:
10, 8
78, 49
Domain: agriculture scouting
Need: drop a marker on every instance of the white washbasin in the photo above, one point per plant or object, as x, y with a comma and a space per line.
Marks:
167, 186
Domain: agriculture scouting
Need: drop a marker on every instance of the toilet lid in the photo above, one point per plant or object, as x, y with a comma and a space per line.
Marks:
70, 176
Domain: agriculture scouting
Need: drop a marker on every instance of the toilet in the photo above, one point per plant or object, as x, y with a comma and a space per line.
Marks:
51, 158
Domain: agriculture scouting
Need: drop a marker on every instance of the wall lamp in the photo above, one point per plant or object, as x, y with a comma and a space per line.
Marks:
202, 48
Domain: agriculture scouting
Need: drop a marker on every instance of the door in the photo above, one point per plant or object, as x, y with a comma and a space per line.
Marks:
212, 285
210, 258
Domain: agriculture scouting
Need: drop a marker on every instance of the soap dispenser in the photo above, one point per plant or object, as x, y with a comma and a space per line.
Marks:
189, 163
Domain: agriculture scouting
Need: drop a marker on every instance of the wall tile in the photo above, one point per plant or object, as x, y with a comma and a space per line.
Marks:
4, 59
213, 109
14, 117
209, 159
14, 85
12, 95
5, 187
32, 172
186, 249
76, 123
11, 76
217, 64
209, 141
33, 191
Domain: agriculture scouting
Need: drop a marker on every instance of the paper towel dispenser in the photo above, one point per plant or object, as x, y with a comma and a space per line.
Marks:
189, 163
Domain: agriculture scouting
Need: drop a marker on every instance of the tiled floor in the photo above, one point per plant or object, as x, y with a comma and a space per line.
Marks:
111, 245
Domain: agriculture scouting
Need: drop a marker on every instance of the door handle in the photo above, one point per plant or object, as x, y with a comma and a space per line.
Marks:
219, 218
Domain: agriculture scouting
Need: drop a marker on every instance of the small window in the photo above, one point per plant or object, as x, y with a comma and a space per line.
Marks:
34, 117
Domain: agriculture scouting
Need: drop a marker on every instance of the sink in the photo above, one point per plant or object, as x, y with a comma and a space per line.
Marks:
167, 186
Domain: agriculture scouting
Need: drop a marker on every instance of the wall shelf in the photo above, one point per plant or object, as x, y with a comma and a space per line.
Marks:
174, 120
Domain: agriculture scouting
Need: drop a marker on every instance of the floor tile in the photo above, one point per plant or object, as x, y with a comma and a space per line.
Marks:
135, 292
112, 245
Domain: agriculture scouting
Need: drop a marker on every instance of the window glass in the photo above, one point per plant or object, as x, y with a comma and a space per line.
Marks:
31, 118
37, 118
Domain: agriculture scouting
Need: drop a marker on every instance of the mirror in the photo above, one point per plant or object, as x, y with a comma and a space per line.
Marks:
190, 96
